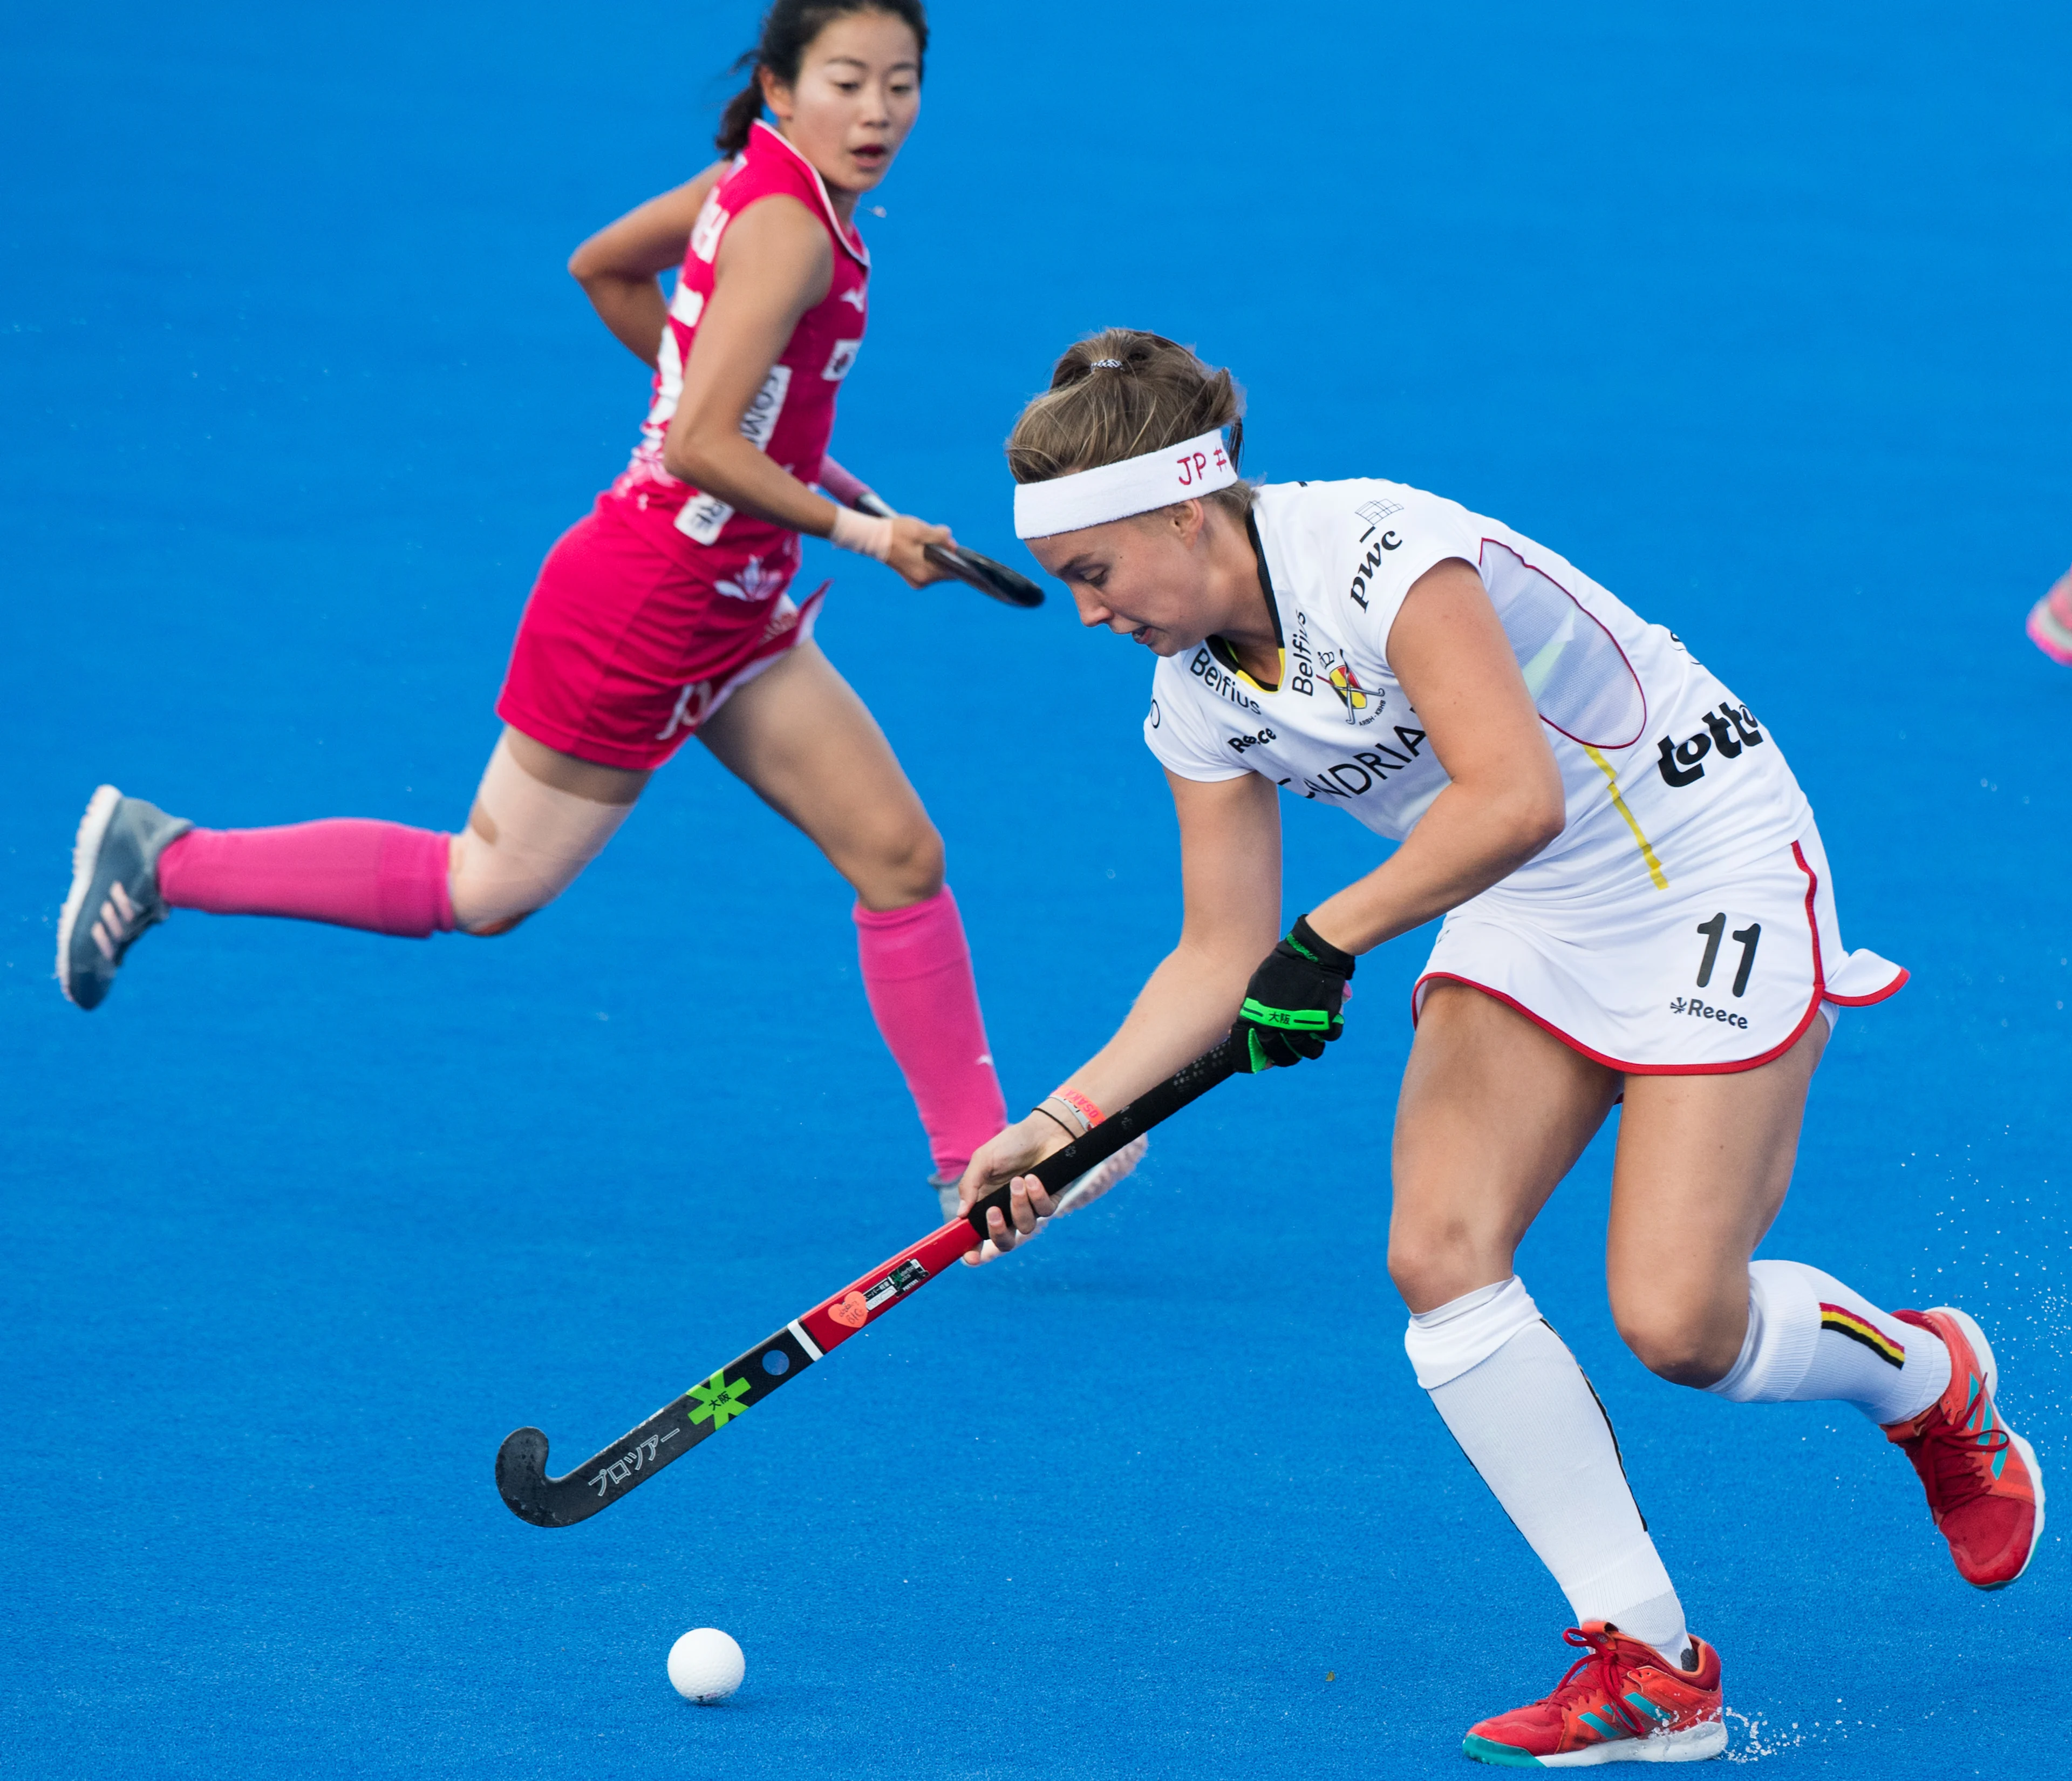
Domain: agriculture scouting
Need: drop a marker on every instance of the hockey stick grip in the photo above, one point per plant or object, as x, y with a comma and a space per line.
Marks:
1189, 1083
850, 489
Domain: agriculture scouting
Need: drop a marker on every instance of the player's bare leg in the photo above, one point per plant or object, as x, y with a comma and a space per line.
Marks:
1468, 1186
801, 738
1703, 1166
538, 817
1704, 1162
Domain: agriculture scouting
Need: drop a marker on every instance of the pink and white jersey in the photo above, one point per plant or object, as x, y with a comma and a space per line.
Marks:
792, 416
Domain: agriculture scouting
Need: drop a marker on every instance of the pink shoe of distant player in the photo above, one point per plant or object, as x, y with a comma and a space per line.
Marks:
1622, 1701
2050, 622
1985, 1489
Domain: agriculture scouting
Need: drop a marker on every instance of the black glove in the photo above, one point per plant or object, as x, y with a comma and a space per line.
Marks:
1291, 1005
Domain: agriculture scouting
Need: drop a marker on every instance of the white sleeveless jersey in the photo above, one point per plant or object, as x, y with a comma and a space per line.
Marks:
1682, 923
1662, 766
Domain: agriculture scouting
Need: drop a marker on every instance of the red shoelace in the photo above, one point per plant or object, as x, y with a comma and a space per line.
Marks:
1600, 1671
1954, 1462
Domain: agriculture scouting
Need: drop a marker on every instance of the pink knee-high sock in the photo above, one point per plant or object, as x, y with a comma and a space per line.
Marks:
917, 972
348, 871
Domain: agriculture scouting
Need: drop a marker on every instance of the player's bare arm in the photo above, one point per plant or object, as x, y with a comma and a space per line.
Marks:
620, 267
1504, 802
774, 264
1230, 866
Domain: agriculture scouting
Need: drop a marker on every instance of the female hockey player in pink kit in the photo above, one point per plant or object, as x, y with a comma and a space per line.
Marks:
665, 612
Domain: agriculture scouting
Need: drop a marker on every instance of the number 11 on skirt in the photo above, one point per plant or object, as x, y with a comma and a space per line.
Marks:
1747, 936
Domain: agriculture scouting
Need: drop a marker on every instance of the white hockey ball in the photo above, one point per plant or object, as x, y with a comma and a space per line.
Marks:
705, 1665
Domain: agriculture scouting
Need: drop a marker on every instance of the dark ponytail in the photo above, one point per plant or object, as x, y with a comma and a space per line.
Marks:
788, 30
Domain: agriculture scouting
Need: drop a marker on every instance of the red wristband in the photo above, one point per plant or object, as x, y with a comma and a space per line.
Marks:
1079, 1105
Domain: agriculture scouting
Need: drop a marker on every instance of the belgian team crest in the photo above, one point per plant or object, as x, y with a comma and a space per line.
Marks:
1362, 704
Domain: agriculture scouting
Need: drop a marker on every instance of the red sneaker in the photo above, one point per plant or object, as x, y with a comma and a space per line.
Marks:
1984, 1488
1625, 1702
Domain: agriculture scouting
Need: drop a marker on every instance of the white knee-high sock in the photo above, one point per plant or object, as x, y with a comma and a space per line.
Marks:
1811, 1338
1529, 1423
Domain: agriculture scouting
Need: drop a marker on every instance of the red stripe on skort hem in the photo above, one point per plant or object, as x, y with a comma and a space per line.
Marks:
1575, 1044
1733, 1068
1891, 988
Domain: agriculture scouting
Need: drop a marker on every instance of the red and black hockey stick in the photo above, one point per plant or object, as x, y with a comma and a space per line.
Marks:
1007, 586
709, 1405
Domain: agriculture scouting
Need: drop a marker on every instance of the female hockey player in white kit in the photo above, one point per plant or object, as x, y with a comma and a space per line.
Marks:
1636, 905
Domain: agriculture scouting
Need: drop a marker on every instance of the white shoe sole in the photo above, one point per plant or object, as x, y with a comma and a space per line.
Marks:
1984, 1350
85, 851
1694, 1744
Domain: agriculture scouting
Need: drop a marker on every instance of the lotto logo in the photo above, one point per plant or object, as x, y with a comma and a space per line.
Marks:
1727, 731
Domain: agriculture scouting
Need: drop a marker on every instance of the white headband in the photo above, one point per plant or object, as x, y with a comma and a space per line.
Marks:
1115, 492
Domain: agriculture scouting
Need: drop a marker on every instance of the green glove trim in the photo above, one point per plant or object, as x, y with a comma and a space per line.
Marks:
1292, 1020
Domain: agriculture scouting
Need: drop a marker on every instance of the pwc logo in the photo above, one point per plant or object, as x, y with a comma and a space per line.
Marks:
1727, 732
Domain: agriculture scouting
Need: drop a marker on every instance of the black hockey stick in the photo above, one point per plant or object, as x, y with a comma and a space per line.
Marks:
1005, 585
709, 1405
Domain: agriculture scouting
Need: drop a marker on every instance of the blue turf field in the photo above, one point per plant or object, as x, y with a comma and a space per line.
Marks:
1759, 314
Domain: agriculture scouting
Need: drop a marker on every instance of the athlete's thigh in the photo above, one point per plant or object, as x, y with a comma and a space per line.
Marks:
1704, 1162
799, 736
1493, 1113
565, 772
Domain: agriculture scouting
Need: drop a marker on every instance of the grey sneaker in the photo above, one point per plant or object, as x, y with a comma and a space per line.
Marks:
946, 1192
114, 894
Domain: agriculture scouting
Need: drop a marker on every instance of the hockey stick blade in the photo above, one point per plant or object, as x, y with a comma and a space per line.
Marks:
709, 1405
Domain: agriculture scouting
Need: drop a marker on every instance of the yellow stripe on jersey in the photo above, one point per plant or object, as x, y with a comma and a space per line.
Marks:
1654, 871
1244, 675
1227, 656
1845, 1323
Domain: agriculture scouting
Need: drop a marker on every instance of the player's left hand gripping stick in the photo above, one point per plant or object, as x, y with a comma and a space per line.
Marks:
708, 1406
1292, 1005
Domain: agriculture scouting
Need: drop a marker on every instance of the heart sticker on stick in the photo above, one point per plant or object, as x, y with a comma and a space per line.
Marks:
849, 1310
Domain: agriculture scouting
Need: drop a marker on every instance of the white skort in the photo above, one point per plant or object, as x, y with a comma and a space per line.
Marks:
1722, 972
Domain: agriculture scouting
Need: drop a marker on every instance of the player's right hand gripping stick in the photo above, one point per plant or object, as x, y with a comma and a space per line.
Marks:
1291, 1005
